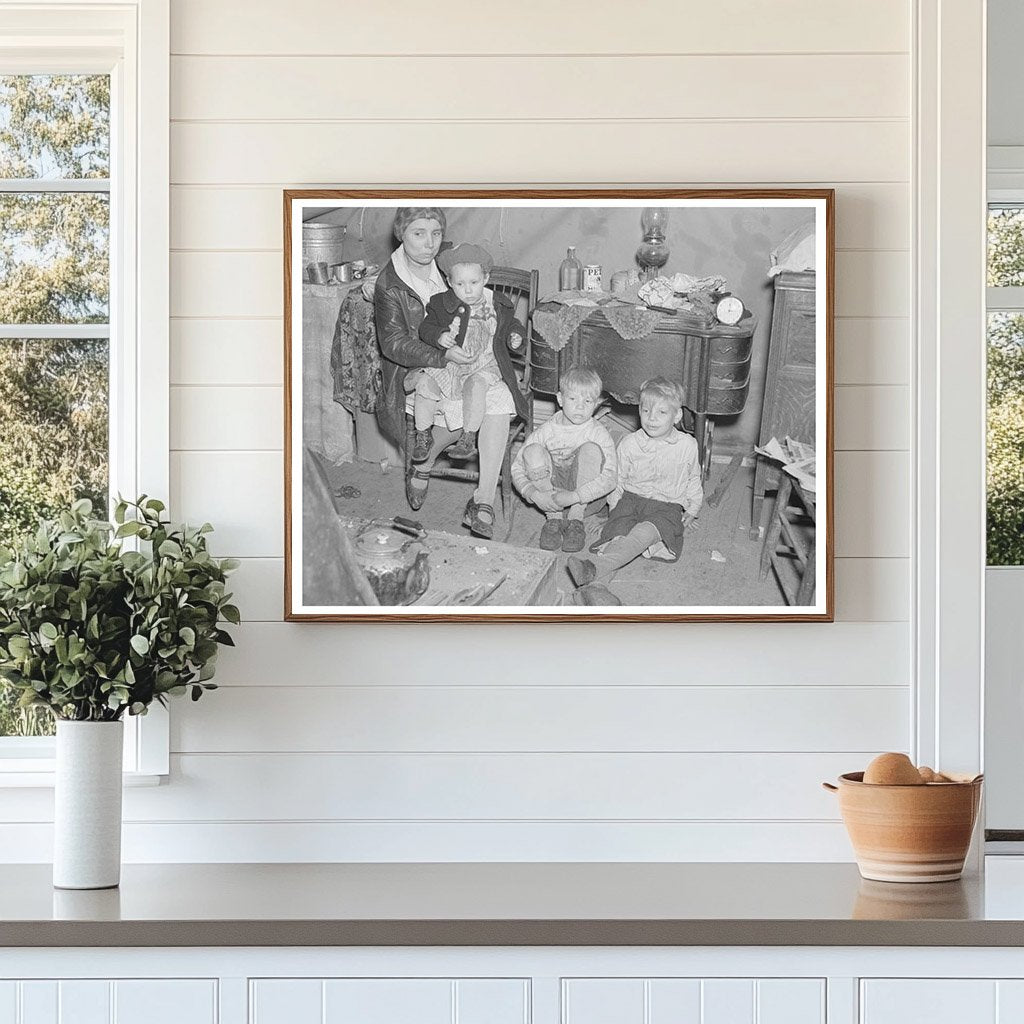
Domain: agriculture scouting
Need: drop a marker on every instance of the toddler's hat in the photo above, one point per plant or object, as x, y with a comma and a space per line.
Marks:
465, 253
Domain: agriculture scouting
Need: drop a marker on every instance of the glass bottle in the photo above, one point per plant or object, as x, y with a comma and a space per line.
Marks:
570, 273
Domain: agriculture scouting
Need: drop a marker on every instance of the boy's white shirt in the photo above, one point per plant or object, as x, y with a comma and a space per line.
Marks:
664, 468
561, 439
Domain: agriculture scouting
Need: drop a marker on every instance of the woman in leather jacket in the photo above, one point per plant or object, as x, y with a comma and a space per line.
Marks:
406, 284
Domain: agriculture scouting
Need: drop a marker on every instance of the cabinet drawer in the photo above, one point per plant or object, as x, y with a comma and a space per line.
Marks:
798, 330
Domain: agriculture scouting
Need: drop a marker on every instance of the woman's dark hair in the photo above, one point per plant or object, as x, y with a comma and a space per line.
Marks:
407, 214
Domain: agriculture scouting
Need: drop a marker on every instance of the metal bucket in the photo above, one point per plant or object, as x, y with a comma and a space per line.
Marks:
323, 243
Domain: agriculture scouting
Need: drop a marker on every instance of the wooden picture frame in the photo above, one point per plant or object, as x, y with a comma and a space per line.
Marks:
749, 384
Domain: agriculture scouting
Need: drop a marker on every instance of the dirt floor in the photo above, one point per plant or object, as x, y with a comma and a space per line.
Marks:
720, 564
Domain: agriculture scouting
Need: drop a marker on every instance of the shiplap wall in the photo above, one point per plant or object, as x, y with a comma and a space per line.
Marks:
516, 742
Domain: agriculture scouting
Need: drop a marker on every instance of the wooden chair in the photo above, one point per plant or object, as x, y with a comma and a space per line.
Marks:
521, 287
789, 545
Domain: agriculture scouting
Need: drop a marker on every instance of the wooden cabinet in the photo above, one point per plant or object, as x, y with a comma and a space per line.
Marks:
789, 391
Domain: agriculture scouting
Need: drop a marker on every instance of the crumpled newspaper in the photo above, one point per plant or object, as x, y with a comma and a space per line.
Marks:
682, 291
687, 283
797, 459
659, 292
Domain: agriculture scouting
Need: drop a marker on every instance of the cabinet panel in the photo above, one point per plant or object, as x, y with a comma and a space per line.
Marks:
284, 1001
388, 1001
492, 1001
84, 1002
1009, 1002
694, 1001
799, 329
728, 1001
791, 1001
603, 1001
8, 1002
165, 1002
674, 1001
928, 1001
38, 1002
102, 1001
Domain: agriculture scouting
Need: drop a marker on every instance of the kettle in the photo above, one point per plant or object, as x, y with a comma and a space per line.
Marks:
394, 559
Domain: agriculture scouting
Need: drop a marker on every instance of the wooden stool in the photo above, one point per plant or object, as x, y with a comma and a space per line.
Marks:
794, 513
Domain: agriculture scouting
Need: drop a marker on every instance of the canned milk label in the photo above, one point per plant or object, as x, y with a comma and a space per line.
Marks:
592, 277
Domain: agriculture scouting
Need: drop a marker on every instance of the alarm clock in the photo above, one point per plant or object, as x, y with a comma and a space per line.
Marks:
729, 310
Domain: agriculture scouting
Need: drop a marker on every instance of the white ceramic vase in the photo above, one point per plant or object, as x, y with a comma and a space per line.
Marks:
87, 805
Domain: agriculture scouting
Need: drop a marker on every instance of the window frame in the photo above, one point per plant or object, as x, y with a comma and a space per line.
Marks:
1001, 299
1002, 712
1006, 298
130, 41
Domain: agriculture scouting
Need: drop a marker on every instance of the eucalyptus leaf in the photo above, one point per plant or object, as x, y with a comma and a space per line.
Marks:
170, 549
93, 631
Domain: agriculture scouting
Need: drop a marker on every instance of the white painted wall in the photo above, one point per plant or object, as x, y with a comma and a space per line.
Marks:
663, 741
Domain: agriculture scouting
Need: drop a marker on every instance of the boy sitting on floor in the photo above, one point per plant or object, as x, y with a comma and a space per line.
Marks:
659, 489
567, 462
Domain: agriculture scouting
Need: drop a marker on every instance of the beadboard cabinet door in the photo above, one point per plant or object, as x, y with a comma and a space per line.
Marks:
693, 1001
96, 1001
942, 1001
388, 1001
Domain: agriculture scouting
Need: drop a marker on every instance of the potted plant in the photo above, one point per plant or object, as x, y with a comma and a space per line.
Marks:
93, 630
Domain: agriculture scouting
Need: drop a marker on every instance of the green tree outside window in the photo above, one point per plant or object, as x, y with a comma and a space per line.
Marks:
54, 273
1005, 442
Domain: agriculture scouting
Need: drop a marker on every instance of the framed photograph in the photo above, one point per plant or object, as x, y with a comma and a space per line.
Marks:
558, 405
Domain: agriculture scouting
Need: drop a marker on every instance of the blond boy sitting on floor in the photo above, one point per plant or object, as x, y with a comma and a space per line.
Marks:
567, 462
658, 493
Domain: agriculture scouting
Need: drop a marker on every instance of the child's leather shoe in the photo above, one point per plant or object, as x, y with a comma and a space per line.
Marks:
551, 534
464, 449
421, 443
582, 570
574, 536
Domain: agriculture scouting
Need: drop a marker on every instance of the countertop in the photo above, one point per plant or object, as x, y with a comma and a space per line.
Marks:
493, 904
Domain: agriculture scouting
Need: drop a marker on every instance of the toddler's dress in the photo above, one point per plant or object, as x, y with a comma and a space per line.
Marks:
479, 343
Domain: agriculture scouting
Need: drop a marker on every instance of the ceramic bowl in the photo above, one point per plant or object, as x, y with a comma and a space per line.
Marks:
909, 833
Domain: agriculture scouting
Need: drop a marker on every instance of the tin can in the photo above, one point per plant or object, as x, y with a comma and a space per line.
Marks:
620, 282
592, 277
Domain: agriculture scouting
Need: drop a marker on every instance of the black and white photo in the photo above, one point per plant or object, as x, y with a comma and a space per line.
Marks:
510, 406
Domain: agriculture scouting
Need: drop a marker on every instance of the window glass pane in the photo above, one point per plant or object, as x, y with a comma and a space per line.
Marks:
54, 257
53, 442
53, 449
17, 721
54, 126
1005, 500
1005, 246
